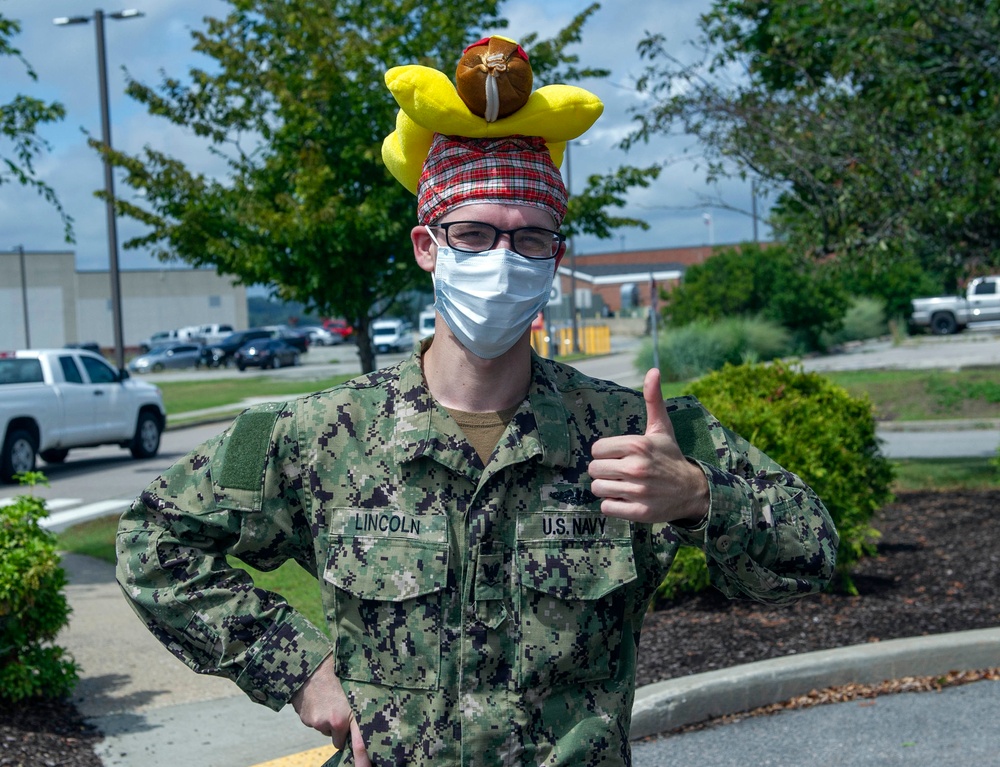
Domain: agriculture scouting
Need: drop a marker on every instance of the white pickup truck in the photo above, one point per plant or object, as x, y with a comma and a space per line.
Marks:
52, 400
949, 314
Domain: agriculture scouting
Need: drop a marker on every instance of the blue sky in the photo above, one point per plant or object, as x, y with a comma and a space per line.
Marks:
64, 58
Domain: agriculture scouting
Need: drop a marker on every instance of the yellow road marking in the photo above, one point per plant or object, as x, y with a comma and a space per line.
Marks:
312, 758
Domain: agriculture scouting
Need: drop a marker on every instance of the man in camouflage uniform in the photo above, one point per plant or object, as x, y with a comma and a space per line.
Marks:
486, 527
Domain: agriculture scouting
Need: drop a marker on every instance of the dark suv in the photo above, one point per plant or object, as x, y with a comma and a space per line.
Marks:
221, 353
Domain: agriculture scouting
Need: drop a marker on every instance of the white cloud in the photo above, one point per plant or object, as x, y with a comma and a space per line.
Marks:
65, 61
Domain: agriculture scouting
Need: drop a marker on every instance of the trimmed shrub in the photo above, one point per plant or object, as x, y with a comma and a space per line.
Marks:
33, 608
693, 350
865, 319
817, 430
687, 575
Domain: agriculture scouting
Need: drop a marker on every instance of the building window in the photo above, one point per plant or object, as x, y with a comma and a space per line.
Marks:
214, 302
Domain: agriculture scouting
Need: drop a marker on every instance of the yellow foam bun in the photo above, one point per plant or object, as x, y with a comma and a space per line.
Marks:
429, 104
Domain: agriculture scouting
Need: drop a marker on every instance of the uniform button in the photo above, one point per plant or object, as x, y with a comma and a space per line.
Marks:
723, 542
259, 695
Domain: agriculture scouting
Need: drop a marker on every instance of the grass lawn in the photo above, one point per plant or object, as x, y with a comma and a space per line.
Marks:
916, 395
924, 395
185, 396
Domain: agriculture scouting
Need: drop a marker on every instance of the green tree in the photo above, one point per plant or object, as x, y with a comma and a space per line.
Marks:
295, 106
775, 283
20, 119
868, 120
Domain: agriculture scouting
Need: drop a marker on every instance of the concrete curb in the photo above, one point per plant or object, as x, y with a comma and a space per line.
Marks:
664, 706
965, 424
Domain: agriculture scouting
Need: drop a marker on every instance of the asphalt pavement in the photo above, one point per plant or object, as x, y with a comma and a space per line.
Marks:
154, 712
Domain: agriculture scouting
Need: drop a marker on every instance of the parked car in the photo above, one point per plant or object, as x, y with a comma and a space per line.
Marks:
54, 400
221, 354
90, 346
950, 314
322, 337
170, 357
425, 323
164, 337
391, 336
340, 327
266, 353
294, 336
211, 333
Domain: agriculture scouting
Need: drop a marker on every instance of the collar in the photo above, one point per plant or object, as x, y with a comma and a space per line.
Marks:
539, 429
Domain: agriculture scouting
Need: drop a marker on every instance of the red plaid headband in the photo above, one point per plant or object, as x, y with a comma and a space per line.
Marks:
510, 170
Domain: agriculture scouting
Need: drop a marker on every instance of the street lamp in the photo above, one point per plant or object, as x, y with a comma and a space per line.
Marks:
572, 253
109, 184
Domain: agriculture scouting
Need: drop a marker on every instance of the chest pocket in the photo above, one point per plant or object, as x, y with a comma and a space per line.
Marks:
572, 566
389, 571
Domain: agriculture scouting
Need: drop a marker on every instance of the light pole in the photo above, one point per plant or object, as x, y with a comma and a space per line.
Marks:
24, 297
572, 259
109, 182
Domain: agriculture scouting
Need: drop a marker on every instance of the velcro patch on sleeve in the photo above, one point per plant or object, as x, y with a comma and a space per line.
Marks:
246, 450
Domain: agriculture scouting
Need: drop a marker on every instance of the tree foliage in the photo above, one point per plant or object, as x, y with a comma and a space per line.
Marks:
869, 121
295, 106
20, 119
775, 283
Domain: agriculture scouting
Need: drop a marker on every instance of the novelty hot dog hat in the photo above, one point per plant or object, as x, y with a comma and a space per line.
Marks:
487, 137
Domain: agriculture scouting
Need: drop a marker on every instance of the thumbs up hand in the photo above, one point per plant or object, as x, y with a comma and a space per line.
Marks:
645, 478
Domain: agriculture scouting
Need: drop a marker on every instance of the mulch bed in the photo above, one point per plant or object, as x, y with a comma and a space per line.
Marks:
937, 570
46, 733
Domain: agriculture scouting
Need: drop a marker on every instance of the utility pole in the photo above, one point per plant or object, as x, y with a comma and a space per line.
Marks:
24, 297
654, 321
572, 262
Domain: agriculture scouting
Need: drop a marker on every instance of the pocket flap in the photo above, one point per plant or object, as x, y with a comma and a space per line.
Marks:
387, 556
577, 569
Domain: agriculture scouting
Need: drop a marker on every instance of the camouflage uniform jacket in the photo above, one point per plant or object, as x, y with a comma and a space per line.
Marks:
478, 615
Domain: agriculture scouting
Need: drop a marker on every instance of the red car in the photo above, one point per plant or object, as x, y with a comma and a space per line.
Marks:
340, 327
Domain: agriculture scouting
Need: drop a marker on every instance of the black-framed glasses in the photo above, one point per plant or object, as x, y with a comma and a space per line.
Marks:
532, 242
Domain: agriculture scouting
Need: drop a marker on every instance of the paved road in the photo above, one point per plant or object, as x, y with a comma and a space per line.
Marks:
933, 729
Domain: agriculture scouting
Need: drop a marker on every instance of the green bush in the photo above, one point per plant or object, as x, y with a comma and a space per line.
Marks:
33, 608
865, 319
687, 575
790, 288
700, 347
817, 430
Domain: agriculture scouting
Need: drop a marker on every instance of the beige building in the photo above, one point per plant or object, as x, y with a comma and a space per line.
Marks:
68, 306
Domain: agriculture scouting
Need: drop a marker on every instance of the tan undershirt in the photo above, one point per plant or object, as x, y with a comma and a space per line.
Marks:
483, 430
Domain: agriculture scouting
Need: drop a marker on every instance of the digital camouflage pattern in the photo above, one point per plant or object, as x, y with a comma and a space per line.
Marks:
479, 615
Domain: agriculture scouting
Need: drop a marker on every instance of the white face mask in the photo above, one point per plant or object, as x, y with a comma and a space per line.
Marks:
489, 299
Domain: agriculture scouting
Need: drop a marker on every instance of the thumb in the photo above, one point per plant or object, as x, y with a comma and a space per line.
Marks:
657, 420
